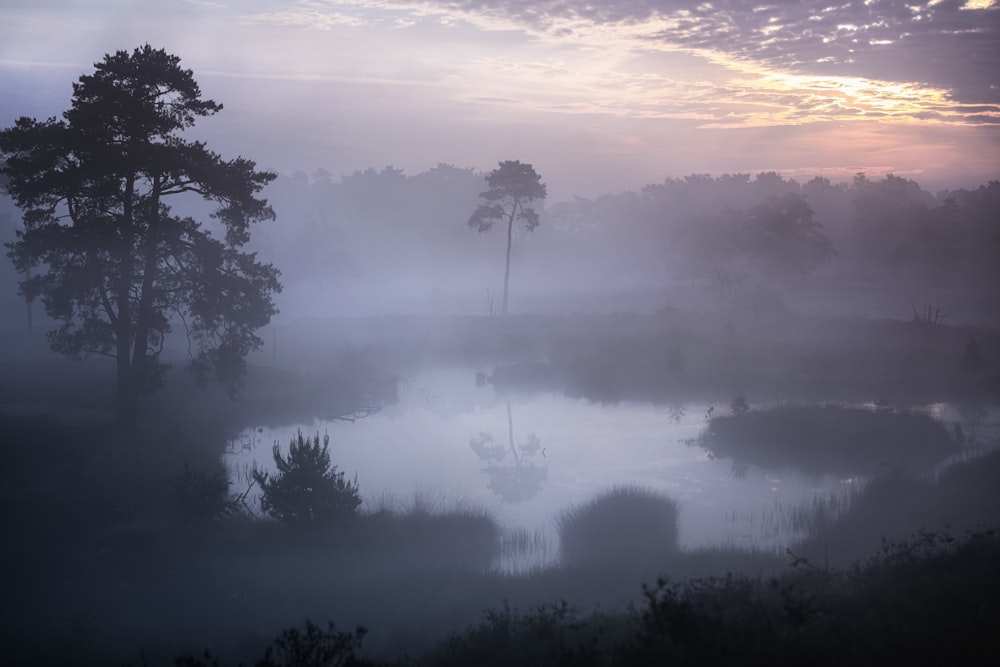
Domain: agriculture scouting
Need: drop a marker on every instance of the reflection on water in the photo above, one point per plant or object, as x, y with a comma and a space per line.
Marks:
517, 478
527, 457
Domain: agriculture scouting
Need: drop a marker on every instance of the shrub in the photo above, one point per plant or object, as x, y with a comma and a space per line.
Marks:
201, 495
551, 634
307, 489
294, 648
627, 525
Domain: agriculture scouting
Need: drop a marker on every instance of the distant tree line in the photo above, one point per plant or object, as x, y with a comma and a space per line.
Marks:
382, 226
728, 230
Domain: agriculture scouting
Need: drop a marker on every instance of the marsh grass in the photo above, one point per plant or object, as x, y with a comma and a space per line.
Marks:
830, 439
427, 532
772, 529
964, 497
524, 551
625, 525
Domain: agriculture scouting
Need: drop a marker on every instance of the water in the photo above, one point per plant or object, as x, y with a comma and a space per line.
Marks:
449, 439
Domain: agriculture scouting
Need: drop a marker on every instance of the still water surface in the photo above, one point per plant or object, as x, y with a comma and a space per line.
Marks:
448, 438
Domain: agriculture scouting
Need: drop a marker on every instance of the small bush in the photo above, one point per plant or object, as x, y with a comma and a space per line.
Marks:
308, 489
294, 648
551, 634
626, 525
200, 495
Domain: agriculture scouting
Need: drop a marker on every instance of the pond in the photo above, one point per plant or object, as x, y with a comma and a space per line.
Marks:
451, 439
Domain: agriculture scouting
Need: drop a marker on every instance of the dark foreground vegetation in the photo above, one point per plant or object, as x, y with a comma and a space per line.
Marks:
930, 600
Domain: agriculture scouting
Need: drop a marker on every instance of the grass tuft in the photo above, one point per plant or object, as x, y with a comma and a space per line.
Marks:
625, 525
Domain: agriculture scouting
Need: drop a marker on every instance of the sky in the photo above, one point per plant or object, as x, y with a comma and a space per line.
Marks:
599, 97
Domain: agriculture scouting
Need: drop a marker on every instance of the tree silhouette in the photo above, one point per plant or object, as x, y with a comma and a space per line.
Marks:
307, 488
512, 185
115, 263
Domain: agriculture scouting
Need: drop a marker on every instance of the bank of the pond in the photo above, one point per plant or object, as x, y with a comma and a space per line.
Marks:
832, 439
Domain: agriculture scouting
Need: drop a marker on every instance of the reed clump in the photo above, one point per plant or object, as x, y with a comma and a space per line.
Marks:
626, 525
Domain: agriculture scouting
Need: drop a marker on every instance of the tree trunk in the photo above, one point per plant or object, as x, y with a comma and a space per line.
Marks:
27, 303
506, 272
127, 391
127, 394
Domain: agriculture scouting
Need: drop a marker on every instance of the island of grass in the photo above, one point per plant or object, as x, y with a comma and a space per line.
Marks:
830, 439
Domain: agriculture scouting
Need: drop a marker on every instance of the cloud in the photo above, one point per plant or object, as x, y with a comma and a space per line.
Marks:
304, 18
947, 47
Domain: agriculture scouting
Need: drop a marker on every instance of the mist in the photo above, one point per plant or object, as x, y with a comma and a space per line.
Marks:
619, 336
651, 347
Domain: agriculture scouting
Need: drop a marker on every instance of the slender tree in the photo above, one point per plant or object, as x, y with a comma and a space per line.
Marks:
512, 185
114, 265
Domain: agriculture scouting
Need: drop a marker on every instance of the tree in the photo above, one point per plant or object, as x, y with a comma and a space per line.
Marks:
512, 185
782, 239
308, 489
116, 263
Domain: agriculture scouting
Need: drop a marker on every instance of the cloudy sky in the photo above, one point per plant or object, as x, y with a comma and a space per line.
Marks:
599, 96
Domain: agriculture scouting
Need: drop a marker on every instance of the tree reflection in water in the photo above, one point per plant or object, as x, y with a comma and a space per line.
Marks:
514, 475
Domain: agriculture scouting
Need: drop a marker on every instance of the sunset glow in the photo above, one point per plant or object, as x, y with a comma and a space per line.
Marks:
598, 78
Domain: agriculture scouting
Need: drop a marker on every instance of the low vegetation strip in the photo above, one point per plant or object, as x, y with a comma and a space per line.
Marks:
830, 439
929, 600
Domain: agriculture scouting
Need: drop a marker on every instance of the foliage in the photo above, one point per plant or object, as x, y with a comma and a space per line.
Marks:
828, 439
551, 634
739, 405
314, 647
116, 264
512, 185
782, 238
893, 506
812, 615
294, 648
200, 495
307, 489
779, 239
625, 525
806, 615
